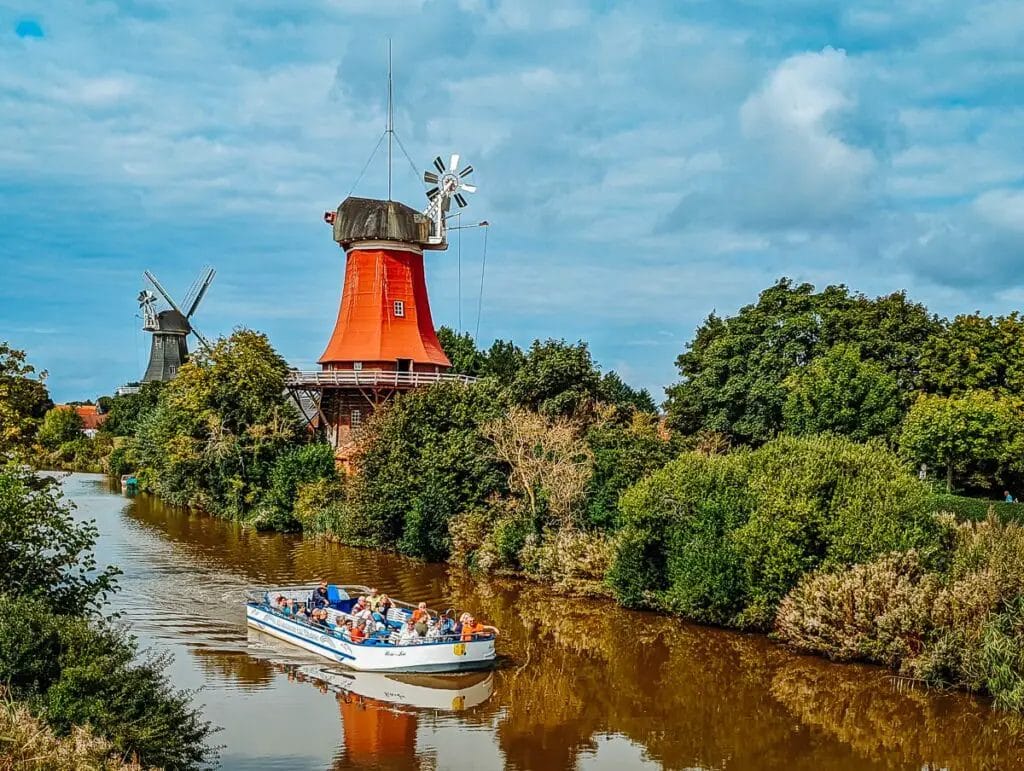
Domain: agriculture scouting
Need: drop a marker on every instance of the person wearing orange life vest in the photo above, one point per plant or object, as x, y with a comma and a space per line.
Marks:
420, 616
471, 628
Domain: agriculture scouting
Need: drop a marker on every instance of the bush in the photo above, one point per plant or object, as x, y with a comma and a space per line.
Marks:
880, 611
28, 744
295, 466
976, 509
74, 671
44, 553
723, 538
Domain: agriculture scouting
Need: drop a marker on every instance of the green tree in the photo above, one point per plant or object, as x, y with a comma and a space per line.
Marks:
975, 352
218, 427
126, 410
422, 460
556, 378
503, 360
24, 400
45, 554
976, 431
734, 369
461, 351
623, 454
60, 426
615, 391
841, 393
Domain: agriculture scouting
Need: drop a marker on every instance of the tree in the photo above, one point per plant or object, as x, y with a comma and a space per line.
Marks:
461, 351
734, 369
841, 393
126, 410
24, 400
615, 391
960, 434
549, 462
45, 554
623, 454
420, 462
60, 426
218, 427
975, 352
556, 378
503, 360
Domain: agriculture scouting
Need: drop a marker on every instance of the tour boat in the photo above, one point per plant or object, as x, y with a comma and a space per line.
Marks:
428, 655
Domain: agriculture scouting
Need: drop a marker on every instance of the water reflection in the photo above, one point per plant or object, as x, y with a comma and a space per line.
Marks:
585, 684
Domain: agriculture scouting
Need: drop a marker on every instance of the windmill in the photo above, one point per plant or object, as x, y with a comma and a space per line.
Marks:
171, 327
448, 183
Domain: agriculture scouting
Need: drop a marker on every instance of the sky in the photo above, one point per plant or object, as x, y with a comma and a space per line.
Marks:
641, 163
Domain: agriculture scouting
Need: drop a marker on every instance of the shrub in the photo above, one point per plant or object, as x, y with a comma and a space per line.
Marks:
44, 553
28, 744
293, 467
724, 538
976, 509
676, 550
571, 560
880, 611
75, 672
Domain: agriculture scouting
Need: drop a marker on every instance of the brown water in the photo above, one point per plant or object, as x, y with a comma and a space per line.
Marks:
582, 685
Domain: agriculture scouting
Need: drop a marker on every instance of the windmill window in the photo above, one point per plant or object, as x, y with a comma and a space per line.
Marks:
357, 365
399, 308
357, 418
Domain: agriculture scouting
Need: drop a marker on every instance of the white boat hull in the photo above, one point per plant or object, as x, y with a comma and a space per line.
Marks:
425, 657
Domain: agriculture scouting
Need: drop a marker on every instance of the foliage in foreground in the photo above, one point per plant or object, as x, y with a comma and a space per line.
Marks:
29, 744
58, 657
45, 554
722, 539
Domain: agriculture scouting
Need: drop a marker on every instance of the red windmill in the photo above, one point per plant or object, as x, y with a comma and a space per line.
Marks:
383, 341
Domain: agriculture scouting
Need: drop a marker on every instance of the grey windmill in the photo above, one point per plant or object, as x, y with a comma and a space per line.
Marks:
171, 327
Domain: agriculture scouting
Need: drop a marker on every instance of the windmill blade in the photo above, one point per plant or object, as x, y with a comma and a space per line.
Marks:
454, 162
432, 193
468, 188
439, 164
207, 280
163, 292
430, 177
460, 200
202, 340
466, 171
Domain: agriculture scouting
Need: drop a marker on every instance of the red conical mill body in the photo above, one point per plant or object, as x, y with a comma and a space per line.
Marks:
384, 321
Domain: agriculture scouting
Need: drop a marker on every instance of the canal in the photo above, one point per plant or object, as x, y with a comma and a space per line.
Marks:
582, 685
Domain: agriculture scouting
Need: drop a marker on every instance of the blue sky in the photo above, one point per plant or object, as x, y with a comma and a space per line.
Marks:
641, 163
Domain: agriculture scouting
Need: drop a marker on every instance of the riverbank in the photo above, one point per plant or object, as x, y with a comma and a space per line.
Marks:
684, 696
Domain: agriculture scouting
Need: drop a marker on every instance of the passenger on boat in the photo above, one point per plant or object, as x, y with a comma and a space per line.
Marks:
409, 634
289, 607
360, 606
471, 629
356, 632
374, 599
446, 624
383, 608
320, 598
433, 629
319, 617
420, 616
301, 612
